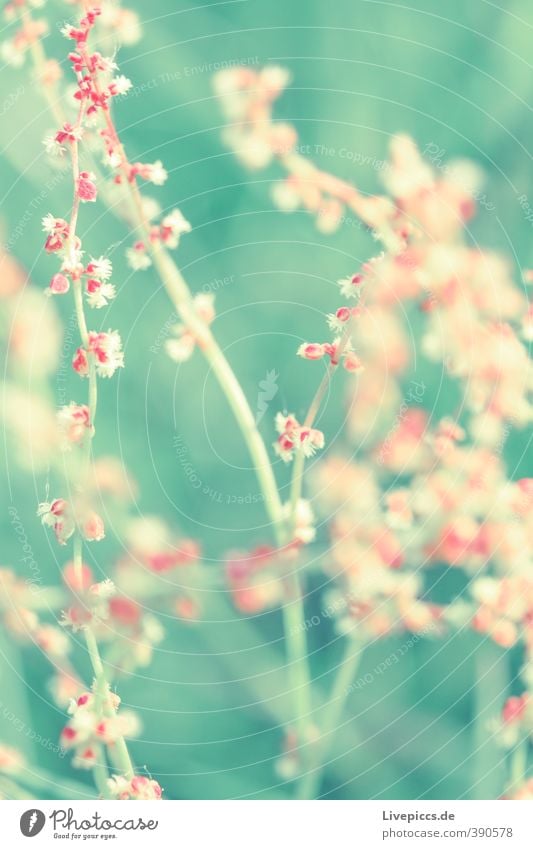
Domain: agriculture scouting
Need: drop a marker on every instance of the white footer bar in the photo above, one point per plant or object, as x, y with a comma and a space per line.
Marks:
269, 824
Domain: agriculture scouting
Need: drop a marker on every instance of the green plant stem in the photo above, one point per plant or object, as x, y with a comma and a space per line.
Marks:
293, 611
297, 660
490, 681
312, 412
519, 763
101, 774
123, 759
309, 784
181, 298
100, 770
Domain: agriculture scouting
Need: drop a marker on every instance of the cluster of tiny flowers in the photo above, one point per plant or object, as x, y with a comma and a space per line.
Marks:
113, 617
247, 97
91, 601
153, 547
182, 347
94, 276
294, 437
74, 423
120, 24
140, 787
255, 578
13, 50
89, 727
95, 89
168, 233
23, 624
64, 517
106, 348
340, 350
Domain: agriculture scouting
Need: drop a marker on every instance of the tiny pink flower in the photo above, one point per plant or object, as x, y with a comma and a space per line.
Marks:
74, 422
86, 187
352, 363
57, 515
93, 528
80, 363
311, 351
59, 285
75, 581
293, 437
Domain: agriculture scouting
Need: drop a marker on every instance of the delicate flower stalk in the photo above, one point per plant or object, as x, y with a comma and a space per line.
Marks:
181, 298
63, 238
329, 719
179, 293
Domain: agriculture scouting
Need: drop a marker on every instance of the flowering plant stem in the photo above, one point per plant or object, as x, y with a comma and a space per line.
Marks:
519, 759
282, 524
124, 764
309, 786
314, 408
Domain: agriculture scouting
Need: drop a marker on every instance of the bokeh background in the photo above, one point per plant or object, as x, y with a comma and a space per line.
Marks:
457, 76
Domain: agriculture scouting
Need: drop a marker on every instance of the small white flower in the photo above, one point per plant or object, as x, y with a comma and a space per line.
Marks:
104, 590
101, 296
334, 323
347, 287
285, 196
101, 268
180, 350
11, 54
49, 223
121, 84
67, 30
52, 146
157, 174
113, 160
177, 222
108, 64
138, 260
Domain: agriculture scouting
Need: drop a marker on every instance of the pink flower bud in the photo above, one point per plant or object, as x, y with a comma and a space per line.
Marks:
53, 243
311, 351
343, 314
58, 507
352, 363
514, 708
86, 187
93, 528
124, 610
75, 582
80, 363
59, 284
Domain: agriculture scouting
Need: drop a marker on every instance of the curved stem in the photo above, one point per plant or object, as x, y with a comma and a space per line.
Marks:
297, 660
519, 760
312, 412
181, 298
309, 784
102, 687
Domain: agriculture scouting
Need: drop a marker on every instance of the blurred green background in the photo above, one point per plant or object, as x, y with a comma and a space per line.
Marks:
455, 75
